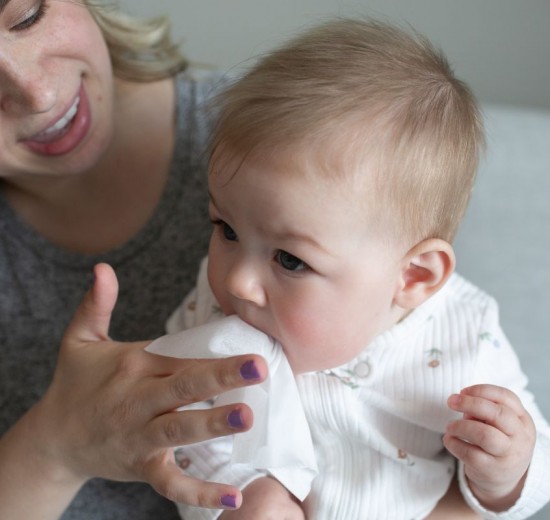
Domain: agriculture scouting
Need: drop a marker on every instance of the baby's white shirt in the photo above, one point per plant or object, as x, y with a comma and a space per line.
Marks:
377, 421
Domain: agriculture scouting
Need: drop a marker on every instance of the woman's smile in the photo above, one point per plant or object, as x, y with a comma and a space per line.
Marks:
66, 132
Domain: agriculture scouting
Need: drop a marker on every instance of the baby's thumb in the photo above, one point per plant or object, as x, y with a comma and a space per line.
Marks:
93, 316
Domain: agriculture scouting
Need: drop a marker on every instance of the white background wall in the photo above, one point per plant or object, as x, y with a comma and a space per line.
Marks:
500, 47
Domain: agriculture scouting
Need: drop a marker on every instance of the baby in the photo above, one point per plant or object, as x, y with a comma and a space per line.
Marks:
341, 167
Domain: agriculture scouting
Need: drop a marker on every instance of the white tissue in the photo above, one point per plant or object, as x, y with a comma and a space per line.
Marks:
280, 440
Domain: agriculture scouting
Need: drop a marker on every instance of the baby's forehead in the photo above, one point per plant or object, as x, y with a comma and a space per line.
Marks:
326, 183
347, 160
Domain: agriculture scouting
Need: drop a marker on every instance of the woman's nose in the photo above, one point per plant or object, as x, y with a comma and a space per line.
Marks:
244, 281
25, 86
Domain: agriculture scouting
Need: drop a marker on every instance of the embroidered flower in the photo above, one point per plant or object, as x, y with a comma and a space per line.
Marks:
347, 377
181, 460
217, 310
434, 357
403, 455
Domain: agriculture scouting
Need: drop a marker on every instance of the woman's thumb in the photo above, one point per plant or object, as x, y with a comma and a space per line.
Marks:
93, 316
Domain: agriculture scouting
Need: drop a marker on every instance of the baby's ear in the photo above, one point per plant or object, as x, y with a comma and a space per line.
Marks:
425, 269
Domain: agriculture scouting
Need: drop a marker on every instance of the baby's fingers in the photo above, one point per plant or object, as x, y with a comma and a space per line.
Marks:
496, 394
482, 409
471, 441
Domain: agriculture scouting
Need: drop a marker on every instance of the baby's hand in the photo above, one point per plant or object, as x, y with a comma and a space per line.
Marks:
266, 499
495, 440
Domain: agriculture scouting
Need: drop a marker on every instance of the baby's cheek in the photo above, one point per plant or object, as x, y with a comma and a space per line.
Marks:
300, 328
302, 337
215, 280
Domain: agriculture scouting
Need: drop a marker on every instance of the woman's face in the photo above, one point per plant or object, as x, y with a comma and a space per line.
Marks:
56, 88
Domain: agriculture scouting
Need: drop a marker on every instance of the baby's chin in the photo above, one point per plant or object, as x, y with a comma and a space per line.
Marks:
318, 363
303, 367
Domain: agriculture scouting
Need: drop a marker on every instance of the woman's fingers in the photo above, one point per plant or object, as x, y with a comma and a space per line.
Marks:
196, 425
194, 380
168, 480
117, 404
93, 316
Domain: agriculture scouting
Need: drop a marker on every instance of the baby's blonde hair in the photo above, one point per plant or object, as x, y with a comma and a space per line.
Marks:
378, 93
141, 50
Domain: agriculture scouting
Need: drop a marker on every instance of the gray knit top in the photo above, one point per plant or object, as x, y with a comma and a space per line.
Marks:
41, 285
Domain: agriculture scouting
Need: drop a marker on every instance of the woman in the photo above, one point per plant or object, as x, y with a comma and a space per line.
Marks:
102, 139
101, 160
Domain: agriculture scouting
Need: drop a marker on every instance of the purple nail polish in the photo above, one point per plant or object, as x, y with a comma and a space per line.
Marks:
234, 419
249, 371
228, 501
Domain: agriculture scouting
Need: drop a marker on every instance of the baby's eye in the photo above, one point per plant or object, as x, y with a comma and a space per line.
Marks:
289, 262
228, 232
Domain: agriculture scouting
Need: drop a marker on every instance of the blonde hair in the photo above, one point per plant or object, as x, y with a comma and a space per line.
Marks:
141, 50
390, 94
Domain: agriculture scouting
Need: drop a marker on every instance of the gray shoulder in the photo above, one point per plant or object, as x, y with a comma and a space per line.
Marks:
196, 114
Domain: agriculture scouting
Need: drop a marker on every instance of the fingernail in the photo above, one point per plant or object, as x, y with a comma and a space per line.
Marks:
454, 400
234, 419
249, 371
229, 501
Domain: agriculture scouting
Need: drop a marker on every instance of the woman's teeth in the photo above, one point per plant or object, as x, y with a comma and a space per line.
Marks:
61, 124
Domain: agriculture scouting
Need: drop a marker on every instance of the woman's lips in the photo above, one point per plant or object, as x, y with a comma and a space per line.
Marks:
67, 132
56, 131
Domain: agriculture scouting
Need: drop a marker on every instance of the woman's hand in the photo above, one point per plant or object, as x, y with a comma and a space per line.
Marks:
110, 412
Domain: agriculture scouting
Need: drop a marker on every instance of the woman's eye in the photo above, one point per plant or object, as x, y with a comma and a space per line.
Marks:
31, 18
290, 262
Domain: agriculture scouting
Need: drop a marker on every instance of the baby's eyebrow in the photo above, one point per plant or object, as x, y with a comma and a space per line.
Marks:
210, 196
288, 234
301, 237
